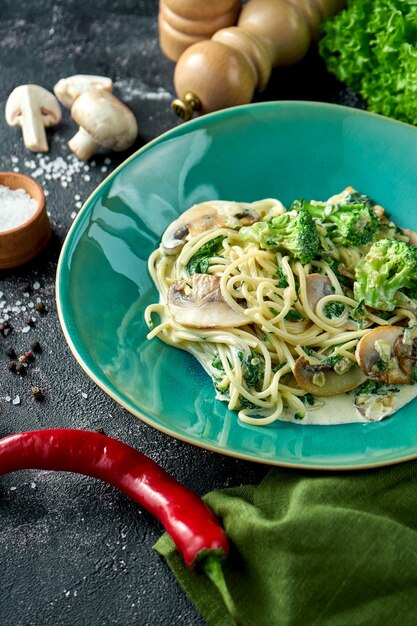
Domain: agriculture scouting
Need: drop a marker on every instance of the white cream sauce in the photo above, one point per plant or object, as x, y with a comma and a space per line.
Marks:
341, 409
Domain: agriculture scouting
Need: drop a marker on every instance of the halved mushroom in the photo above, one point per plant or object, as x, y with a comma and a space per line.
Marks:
206, 216
67, 90
33, 108
322, 380
377, 358
203, 306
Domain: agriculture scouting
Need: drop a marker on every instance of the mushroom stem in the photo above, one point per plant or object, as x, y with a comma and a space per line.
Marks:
33, 131
83, 145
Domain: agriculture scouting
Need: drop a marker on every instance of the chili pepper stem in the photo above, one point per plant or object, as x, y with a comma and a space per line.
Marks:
212, 567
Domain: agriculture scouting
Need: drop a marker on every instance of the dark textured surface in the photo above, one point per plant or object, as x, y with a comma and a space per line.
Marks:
73, 550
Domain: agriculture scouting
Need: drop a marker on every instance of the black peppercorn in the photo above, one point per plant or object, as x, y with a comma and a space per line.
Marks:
12, 367
40, 306
11, 353
37, 393
35, 346
20, 369
31, 321
5, 328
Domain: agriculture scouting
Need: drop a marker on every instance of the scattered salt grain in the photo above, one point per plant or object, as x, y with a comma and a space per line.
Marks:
36, 285
16, 207
16, 400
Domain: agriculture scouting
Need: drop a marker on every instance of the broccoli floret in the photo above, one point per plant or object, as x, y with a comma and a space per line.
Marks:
351, 222
295, 233
389, 267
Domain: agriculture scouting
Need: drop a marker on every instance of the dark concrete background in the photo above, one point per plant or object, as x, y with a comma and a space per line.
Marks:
74, 551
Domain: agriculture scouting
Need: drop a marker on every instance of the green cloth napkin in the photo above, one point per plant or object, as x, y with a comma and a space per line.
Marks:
315, 549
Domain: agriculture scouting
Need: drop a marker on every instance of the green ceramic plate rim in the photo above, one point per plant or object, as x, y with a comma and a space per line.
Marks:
170, 134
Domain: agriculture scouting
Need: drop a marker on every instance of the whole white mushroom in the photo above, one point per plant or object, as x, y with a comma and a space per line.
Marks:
67, 90
104, 121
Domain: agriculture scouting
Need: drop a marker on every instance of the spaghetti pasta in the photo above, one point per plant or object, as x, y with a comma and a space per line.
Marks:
252, 313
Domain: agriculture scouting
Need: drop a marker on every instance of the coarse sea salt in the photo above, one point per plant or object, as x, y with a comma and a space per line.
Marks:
16, 208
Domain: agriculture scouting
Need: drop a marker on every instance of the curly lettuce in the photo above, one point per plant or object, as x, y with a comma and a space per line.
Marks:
371, 46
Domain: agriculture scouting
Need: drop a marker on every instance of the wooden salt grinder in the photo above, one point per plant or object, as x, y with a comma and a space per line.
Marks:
183, 23
225, 70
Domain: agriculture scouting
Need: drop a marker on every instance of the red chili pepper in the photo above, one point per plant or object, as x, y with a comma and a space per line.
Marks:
194, 528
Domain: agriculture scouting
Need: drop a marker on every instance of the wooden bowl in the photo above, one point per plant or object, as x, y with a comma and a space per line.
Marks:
21, 244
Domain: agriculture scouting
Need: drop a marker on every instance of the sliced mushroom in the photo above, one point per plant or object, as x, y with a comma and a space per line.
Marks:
203, 306
206, 216
375, 407
376, 356
317, 287
322, 380
67, 90
33, 108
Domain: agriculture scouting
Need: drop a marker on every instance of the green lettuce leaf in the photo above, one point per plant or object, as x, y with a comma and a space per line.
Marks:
372, 47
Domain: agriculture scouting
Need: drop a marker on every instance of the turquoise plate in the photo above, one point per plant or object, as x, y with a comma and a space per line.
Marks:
285, 150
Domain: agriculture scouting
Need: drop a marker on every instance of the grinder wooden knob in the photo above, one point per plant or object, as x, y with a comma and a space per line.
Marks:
226, 70
183, 23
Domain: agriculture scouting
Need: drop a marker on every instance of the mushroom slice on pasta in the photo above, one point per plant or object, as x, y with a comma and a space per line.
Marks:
201, 305
204, 217
375, 354
322, 380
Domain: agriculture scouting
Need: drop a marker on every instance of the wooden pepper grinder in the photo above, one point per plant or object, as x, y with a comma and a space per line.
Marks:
183, 23
225, 70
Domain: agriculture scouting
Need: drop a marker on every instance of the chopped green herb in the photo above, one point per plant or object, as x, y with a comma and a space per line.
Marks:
282, 279
375, 388
334, 266
246, 404
331, 360
294, 316
308, 398
276, 368
299, 416
253, 369
309, 351
359, 312
200, 261
334, 309
217, 363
